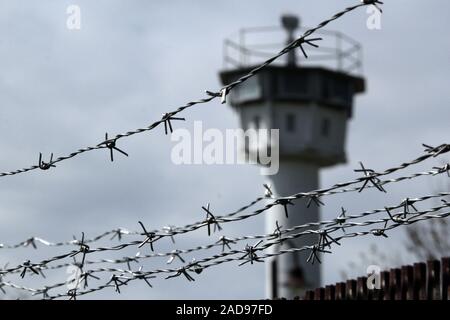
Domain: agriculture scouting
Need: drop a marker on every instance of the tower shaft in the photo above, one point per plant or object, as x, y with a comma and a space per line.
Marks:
289, 275
311, 106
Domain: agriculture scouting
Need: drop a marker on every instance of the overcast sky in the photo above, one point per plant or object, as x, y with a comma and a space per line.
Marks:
133, 60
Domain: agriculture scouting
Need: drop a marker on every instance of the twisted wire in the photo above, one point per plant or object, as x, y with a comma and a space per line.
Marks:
111, 143
230, 256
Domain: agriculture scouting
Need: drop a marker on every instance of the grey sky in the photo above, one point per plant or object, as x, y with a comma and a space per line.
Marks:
132, 61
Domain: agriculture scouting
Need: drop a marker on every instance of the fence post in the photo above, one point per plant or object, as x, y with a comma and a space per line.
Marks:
309, 295
351, 290
445, 264
330, 292
385, 292
319, 294
395, 284
420, 281
340, 291
361, 288
433, 279
407, 283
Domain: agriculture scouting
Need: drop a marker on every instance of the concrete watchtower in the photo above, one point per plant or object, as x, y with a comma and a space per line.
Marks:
310, 105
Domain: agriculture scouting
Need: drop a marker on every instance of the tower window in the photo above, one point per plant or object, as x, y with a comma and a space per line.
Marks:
257, 122
290, 122
325, 127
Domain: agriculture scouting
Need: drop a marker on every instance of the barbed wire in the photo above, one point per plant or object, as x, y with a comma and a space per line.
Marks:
168, 231
250, 252
250, 256
168, 117
370, 176
87, 250
225, 241
398, 219
152, 237
171, 231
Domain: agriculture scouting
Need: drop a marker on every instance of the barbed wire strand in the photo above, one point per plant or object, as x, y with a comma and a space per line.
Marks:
334, 189
111, 143
215, 259
339, 221
430, 152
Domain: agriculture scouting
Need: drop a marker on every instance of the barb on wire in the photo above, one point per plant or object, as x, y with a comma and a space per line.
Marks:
167, 118
2, 285
250, 255
46, 165
408, 203
316, 199
150, 237
341, 219
284, 202
141, 275
170, 231
195, 266
182, 271
211, 220
28, 266
117, 283
74, 262
118, 234
314, 254
225, 242
85, 276
325, 240
84, 249
31, 241
268, 192
381, 232
369, 176
397, 218
44, 292
111, 145
128, 260
72, 293
310, 42
445, 168
277, 233
174, 255
222, 94
436, 151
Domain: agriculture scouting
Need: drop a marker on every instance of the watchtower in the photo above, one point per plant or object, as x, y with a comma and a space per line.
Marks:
310, 103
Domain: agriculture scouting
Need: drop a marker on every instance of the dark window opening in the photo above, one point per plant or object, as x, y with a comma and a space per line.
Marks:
326, 90
325, 127
341, 90
257, 122
290, 122
294, 85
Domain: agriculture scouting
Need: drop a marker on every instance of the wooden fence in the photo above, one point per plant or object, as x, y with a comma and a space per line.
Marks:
421, 281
